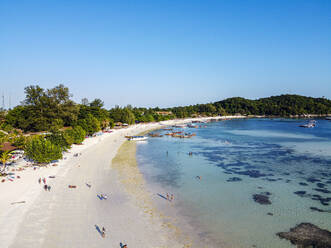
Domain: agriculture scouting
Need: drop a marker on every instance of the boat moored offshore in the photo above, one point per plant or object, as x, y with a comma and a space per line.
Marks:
137, 138
310, 124
192, 126
180, 126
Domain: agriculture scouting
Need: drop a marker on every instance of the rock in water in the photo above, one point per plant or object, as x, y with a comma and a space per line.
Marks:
234, 179
262, 199
320, 210
306, 235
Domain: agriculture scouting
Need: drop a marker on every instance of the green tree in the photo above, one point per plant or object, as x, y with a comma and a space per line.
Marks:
56, 124
78, 134
4, 158
42, 150
18, 117
149, 118
68, 137
111, 123
116, 114
127, 116
124, 115
90, 124
2, 115
60, 139
19, 141
95, 109
98, 103
44, 109
85, 102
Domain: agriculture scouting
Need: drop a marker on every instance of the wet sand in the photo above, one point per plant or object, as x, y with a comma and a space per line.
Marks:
72, 217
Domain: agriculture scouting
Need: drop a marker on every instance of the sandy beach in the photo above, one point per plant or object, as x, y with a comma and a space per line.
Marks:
73, 217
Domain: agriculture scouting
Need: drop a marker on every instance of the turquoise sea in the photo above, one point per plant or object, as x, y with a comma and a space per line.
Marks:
235, 160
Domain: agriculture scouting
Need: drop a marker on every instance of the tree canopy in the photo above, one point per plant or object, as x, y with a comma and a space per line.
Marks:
42, 150
52, 109
283, 105
44, 109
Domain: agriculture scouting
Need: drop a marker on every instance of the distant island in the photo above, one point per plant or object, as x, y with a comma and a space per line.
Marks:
281, 106
53, 109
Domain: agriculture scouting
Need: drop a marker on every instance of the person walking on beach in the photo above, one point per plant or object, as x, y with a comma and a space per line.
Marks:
168, 198
39, 180
44, 180
103, 232
172, 197
49, 188
123, 246
45, 187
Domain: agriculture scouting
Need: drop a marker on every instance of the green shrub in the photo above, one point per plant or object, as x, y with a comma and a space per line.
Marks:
42, 150
78, 134
59, 138
90, 124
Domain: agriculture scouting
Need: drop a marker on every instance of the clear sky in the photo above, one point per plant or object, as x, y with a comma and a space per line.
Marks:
166, 53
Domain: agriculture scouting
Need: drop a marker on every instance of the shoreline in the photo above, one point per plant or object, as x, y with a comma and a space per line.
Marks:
188, 230
158, 174
131, 178
36, 222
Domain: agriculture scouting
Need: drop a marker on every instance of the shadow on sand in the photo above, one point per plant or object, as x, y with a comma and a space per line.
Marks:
162, 196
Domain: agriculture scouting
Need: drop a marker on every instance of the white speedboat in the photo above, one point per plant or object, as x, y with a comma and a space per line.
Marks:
328, 118
310, 124
137, 138
192, 126
180, 126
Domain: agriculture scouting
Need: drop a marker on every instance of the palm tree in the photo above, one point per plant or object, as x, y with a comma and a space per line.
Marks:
6, 137
5, 156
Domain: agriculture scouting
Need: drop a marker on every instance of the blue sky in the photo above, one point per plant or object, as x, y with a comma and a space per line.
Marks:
166, 53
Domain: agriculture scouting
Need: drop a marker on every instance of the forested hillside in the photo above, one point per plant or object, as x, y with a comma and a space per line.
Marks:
283, 105
53, 109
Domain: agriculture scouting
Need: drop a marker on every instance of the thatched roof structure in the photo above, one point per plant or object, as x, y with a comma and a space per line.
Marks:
7, 147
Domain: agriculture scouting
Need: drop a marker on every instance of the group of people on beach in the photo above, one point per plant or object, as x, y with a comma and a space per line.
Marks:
46, 187
77, 154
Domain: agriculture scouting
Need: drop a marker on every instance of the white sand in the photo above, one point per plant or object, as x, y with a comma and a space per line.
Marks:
67, 217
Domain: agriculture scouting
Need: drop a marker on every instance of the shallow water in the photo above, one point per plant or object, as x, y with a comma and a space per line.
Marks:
236, 159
